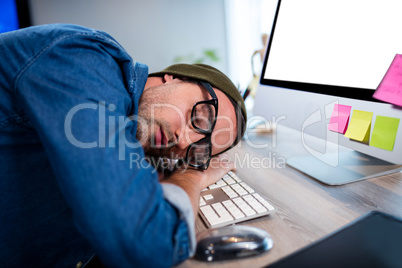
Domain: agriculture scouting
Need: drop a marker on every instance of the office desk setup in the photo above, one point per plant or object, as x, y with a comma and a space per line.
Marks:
327, 83
306, 209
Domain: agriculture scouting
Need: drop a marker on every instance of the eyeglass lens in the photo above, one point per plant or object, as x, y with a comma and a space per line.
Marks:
203, 116
199, 152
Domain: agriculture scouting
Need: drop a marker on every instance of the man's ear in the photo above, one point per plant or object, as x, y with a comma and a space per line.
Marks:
169, 78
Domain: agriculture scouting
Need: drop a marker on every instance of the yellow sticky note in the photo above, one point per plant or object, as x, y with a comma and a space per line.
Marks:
359, 126
384, 132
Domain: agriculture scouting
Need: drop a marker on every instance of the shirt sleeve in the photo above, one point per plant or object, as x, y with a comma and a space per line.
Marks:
79, 93
178, 198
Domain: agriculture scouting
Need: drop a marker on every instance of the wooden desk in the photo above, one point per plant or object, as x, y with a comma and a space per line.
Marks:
307, 210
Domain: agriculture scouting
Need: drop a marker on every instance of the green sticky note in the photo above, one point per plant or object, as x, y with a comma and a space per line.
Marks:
359, 126
384, 132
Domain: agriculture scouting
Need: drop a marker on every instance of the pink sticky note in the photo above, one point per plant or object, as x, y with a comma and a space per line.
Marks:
339, 118
390, 88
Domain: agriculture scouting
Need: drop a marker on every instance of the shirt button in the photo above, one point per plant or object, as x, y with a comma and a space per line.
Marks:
78, 265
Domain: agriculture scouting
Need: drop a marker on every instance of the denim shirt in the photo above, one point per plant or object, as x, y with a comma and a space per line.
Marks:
73, 179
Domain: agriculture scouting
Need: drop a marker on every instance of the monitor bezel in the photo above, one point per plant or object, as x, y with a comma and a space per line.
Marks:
23, 13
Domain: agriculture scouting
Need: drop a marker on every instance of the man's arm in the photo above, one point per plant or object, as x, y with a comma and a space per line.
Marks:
193, 181
77, 94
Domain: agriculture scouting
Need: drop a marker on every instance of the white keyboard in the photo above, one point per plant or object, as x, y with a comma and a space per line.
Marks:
231, 200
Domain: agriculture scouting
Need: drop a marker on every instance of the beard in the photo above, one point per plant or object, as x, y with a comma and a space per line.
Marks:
153, 104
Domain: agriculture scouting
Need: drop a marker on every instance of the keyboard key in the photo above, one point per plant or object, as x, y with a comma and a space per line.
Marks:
216, 221
248, 198
226, 176
202, 202
213, 186
238, 201
259, 208
241, 191
228, 203
208, 211
218, 184
247, 188
238, 214
238, 189
229, 192
226, 189
255, 204
234, 176
264, 202
259, 197
268, 206
248, 211
208, 197
229, 180
217, 206
221, 182
235, 211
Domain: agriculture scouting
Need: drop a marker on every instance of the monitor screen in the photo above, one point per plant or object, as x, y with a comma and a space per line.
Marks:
341, 47
324, 54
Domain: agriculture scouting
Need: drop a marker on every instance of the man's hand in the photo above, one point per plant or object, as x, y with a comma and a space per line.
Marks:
219, 166
194, 180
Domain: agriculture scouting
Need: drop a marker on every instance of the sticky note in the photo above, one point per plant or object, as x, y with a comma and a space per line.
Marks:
339, 118
359, 126
390, 88
384, 132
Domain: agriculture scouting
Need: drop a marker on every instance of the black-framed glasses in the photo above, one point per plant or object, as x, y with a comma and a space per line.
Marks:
203, 119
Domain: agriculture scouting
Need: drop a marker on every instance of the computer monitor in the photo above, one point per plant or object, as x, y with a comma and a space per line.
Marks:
14, 15
327, 53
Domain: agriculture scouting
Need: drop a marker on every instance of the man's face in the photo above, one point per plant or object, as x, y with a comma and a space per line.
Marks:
164, 125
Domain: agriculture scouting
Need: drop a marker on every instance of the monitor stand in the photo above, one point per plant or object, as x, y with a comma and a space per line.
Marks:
352, 166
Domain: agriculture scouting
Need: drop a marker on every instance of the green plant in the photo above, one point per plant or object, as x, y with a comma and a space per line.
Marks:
208, 55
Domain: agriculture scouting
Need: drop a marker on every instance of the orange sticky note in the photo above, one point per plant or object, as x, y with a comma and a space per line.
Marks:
384, 132
359, 126
390, 88
339, 118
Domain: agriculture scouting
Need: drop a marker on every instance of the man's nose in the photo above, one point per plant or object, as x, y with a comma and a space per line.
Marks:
188, 136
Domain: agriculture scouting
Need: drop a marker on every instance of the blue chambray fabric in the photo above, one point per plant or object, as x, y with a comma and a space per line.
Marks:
71, 184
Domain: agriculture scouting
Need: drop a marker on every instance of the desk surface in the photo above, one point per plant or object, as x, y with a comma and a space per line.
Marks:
307, 210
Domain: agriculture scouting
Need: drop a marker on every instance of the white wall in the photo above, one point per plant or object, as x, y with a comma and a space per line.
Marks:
246, 21
153, 32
